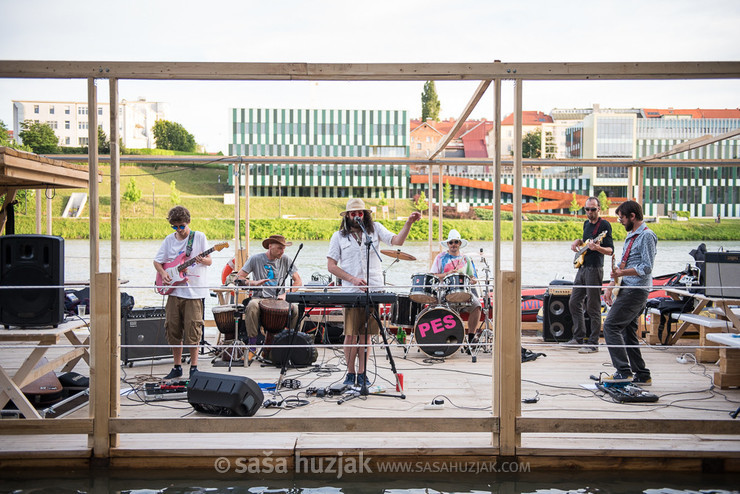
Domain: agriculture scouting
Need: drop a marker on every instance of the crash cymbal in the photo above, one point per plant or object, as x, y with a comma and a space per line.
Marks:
397, 254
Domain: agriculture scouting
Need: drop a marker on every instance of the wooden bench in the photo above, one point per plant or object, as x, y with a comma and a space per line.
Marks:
652, 330
706, 325
729, 360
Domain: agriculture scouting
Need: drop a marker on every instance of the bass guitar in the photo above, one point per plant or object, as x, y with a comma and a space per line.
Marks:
581, 254
177, 269
617, 281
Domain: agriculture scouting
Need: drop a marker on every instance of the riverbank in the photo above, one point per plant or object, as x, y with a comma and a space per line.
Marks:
322, 229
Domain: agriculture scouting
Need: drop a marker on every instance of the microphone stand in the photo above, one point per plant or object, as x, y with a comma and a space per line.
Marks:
368, 304
291, 340
486, 306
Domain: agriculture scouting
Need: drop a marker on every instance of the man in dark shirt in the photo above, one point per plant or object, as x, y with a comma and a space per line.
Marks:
590, 273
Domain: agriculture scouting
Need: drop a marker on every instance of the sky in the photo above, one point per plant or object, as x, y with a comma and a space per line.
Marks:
341, 31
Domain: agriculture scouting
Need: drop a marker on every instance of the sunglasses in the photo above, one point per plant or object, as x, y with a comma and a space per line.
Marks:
453, 242
179, 227
591, 209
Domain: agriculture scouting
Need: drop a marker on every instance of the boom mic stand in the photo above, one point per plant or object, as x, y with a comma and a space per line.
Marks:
486, 334
368, 311
284, 368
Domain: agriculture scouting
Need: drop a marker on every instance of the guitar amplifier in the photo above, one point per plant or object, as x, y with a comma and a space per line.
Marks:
722, 271
140, 329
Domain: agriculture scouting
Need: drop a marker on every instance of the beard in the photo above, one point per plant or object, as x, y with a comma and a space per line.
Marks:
629, 226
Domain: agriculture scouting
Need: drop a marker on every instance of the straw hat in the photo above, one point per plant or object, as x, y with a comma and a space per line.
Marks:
355, 204
275, 239
454, 235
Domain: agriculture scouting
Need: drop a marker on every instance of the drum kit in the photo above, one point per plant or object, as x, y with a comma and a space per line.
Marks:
428, 310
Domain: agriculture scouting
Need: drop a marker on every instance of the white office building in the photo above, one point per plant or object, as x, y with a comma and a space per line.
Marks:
69, 119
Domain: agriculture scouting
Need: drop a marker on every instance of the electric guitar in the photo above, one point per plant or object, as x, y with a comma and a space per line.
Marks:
617, 281
177, 269
581, 254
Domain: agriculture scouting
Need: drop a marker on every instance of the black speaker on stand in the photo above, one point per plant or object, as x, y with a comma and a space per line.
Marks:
31, 260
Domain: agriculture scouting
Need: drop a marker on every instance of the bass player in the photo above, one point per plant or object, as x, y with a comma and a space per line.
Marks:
596, 243
184, 309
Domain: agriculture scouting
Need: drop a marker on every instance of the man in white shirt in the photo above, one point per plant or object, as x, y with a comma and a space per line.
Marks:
184, 308
347, 260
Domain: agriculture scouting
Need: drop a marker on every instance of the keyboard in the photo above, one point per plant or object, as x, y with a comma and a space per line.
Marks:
339, 299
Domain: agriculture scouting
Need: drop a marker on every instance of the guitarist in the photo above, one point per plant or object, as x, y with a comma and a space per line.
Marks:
184, 308
636, 271
590, 273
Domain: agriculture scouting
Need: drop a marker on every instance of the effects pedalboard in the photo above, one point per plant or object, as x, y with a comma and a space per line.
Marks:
171, 390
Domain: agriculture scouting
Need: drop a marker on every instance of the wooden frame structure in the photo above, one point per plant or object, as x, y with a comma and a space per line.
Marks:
506, 425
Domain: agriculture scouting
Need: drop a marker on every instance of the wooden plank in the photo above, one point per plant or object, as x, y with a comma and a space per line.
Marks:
367, 71
44, 426
477, 95
693, 144
725, 381
299, 424
627, 426
100, 365
509, 370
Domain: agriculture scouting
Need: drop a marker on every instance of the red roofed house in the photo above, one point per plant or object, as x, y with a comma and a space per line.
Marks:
531, 120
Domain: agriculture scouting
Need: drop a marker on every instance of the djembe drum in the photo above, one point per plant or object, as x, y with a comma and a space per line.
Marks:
274, 314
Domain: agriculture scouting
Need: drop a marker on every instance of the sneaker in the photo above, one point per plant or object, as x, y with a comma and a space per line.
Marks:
644, 380
588, 349
193, 370
349, 380
362, 377
175, 372
618, 377
572, 344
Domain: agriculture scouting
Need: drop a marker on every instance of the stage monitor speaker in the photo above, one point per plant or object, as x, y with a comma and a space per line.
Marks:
224, 394
31, 260
300, 354
557, 324
140, 329
722, 274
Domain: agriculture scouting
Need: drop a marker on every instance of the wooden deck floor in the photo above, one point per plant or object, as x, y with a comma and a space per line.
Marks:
557, 380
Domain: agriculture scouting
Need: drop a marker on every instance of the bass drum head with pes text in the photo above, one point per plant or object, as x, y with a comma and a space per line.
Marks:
439, 326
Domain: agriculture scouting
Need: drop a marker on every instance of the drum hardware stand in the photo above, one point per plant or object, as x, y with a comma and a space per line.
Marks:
284, 367
371, 309
485, 340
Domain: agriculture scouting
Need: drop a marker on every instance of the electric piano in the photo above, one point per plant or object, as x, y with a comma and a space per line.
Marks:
339, 299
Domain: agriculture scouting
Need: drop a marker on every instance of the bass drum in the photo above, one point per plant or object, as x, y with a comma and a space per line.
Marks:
439, 326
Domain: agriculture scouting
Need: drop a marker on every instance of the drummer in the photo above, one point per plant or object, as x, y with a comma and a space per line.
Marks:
453, 261
268, 269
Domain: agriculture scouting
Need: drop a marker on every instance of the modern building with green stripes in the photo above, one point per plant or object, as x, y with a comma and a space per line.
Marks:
322, 133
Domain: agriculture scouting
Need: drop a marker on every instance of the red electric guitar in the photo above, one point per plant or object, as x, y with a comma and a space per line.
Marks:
177, 269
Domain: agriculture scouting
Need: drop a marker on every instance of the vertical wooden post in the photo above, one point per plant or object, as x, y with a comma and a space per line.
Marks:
38, 210
48, 214
430, 213
92, 161
495, 405
507, 361
237, 206
517, 189
630, 182
101, 362
247, 233
114, 397
440, 201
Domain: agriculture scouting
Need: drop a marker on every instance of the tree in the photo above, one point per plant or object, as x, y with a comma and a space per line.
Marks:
538, 199
420, 203
173, 136
429, 102
103, 142
447, 192
531, 144
574, 206
133, 193
174, 193
604, 201
4, 134
382, 201
40, 137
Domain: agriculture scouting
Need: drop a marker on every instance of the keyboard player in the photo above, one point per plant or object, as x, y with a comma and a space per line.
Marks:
347, 260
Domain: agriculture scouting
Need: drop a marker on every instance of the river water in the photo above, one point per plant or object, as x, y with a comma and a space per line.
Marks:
542, 262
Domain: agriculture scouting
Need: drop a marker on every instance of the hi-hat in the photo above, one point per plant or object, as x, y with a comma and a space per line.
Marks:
397, 254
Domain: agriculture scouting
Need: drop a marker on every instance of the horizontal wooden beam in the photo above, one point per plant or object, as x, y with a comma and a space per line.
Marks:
215, 71
10, 427
627, 426
693, 144
311, 424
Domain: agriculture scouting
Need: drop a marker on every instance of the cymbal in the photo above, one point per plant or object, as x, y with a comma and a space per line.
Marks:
397, 254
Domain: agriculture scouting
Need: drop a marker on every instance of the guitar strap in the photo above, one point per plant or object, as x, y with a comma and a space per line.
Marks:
189, 248
626, 253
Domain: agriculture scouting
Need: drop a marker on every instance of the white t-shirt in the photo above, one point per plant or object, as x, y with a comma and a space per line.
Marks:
351, 256
197, 280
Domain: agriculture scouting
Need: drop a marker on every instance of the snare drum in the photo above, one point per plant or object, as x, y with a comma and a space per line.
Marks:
404, 311
274, 314
225, 315
439, 326
423, 288
456, 287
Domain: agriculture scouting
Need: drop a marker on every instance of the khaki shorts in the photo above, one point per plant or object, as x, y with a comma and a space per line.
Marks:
184, 320
354, 322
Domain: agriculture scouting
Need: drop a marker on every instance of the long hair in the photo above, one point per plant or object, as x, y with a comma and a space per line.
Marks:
629, 207
346, 226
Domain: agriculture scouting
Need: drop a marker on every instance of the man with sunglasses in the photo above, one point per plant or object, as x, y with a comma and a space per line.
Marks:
590, 274
454, 261
347, 260
184, 309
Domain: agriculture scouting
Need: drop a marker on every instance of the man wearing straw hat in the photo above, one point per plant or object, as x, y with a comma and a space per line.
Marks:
453, 261
268, 269
347, 260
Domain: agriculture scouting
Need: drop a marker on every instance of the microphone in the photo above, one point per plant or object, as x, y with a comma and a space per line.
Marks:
358, 219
